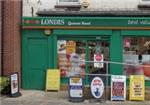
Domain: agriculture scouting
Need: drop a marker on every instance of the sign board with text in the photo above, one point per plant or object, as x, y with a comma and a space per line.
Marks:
76, 89
97, 59
97, 87
53, 79
137, 87
90, 21
14, 83
118, 87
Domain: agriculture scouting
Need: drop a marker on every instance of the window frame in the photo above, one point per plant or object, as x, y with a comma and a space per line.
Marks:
68, 3
145, 2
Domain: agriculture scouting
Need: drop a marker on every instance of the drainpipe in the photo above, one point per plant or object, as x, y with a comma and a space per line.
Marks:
21, 43
1, 35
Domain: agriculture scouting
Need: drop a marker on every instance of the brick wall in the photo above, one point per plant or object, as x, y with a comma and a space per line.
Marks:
0, 37
11, 37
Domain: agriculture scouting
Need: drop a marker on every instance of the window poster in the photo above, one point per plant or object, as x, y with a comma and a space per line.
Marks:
70, 58
118, 87
98, 58
71, 47
137, 87
61, 46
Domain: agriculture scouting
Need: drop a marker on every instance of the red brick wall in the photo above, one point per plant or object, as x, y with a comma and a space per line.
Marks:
11, 37
0, 36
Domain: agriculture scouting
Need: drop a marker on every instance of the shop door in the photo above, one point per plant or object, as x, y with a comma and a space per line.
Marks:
35, 62
98, 51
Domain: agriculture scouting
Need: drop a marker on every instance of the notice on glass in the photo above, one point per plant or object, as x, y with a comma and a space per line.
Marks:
118, 87
61, 46
97, 59
71, 47
137, 87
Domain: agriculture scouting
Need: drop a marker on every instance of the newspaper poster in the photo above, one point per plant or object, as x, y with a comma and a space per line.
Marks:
137, 87
118, 87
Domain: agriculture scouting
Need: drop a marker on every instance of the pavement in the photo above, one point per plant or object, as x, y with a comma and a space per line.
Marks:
33, 97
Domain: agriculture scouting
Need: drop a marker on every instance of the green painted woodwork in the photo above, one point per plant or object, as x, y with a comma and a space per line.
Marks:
35, 61
39, 51
139, 33
116, 53
87, 21
86, 33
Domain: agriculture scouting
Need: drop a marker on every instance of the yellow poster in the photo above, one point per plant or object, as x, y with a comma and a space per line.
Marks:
53, 79
71, 47
137, 87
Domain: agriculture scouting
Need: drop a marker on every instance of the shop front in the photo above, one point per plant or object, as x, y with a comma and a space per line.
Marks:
67, 43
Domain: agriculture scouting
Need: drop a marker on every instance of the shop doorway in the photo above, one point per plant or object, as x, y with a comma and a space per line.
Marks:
35, 61
98, 51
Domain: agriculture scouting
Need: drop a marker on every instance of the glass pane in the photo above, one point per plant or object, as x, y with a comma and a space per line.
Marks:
98, 51
137, 52
68, 0
70, 56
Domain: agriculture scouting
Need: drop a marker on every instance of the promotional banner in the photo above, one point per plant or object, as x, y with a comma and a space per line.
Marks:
137, 87
97, 87
118, 87
53, 79
98, 58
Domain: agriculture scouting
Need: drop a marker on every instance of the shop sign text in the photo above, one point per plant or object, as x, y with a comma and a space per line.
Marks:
139, 22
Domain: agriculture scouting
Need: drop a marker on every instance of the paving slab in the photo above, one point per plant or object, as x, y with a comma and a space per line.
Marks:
33, 97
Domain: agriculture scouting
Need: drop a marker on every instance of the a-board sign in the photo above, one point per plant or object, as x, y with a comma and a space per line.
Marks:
53, 79
97, 87
137, 87
76, 89
14, 83
118, 87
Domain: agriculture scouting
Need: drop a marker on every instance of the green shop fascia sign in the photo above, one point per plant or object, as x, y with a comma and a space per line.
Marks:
87, 21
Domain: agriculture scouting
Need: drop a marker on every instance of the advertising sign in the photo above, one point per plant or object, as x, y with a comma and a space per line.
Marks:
61, 46
14, 83
71, 47
98, 58
53, 79
76, 88
118, 87
97, 87
137, 87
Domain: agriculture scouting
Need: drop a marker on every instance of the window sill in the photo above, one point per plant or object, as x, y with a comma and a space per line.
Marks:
143, 5
67, 6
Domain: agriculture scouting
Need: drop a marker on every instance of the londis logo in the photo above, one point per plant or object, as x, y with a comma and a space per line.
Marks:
52, 22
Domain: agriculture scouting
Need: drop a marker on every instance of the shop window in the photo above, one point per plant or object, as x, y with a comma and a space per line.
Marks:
136, 53
144, 4
70, 56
